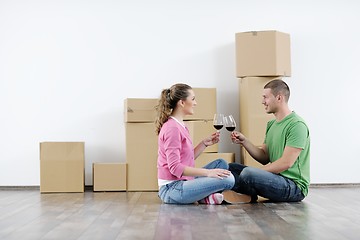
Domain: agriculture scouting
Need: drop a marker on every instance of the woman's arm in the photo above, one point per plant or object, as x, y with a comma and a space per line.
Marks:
215, 173
211, 140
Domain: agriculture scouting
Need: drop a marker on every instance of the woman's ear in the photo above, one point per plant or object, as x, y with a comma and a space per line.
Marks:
180, 103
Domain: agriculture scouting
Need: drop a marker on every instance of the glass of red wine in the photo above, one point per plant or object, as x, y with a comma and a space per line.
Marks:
230, 123
218, 121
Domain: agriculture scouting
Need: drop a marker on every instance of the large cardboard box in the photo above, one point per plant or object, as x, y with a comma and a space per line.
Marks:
141, 157
263, 53
199, 130
206, 104
206, 158
140, 109
109, 177
253, 118
62, 167
254, 127
247, 160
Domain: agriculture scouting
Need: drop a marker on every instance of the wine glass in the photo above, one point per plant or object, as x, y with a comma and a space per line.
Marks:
218, 121
230, 123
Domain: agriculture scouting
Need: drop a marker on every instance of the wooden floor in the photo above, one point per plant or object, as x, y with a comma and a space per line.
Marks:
327, 213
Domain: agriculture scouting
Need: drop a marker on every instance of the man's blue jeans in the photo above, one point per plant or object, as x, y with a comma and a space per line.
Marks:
253, 181
185, 192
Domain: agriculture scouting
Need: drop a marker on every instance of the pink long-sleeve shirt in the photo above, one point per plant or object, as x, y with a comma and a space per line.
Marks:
175, 151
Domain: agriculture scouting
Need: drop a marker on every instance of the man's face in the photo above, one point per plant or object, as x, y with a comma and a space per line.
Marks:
269, 101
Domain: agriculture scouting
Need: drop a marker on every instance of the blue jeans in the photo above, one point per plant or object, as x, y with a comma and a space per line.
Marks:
253, 181
190, 191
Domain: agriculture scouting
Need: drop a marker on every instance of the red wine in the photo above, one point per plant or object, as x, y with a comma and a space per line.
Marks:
230, 129
218, 126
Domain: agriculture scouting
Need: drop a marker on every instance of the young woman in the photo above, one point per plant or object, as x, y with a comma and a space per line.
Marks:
179, 181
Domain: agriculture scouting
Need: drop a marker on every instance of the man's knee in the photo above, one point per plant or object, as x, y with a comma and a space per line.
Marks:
247, 174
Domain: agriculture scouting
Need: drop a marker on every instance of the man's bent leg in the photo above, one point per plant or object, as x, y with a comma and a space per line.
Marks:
254, 181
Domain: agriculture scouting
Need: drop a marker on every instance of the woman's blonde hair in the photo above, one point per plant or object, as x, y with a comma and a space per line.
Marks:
167, 102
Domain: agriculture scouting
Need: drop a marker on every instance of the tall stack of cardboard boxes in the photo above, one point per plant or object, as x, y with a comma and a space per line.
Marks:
142, 143
261, 56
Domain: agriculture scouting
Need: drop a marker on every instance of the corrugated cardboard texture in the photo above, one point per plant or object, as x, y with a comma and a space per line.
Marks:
263, 53
62, 167
140, 109
141, 157
109, 176
206, 104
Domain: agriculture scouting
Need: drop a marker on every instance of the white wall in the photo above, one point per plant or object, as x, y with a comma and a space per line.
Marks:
67, 66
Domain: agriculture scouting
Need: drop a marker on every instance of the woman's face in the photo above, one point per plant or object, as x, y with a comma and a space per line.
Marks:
189, 103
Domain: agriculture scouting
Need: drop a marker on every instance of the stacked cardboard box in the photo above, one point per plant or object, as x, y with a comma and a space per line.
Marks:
141, 143
141, 139
261, 56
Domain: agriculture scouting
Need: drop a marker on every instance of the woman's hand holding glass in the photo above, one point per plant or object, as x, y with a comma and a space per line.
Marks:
213, 139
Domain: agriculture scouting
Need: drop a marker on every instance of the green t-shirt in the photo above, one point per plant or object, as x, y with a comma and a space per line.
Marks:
293, 132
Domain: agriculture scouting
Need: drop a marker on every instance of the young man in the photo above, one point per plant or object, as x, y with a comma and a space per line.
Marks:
285, 153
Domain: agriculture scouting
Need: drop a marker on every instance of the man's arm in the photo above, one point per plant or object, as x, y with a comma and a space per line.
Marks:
285, 162
259, 154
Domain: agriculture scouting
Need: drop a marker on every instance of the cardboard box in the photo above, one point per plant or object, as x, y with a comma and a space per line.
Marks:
263, 53
206, 158
62, 167
109, 177
253, 118
199, 130
247, 160
140, 109
206, 104
254, 127
141, 157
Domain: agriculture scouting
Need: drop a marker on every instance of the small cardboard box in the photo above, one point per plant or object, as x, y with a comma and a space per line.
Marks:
206, 158
109, 177
140, 109
206, 104
263, 53
199, 130
62, 167
141, 157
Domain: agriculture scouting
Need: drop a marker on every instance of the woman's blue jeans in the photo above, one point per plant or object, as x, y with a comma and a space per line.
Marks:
254, 181
190, 191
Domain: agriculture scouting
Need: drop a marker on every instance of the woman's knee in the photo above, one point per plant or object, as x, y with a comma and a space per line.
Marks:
229, 182
221, 163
